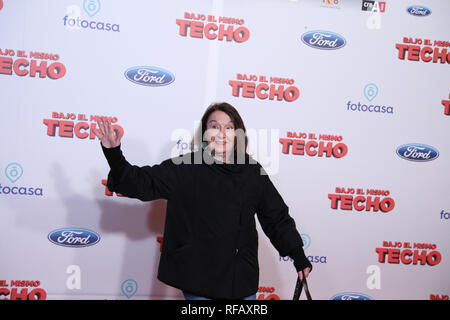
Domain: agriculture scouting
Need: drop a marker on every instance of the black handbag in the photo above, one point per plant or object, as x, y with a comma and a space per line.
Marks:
299, 286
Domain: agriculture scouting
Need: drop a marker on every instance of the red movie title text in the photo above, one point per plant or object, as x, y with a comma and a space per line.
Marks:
396, 252
22, 64
262, 291
446, 104
262, 87
328, 145
416, 49
68, 125
361, 199
29, 290
212, 27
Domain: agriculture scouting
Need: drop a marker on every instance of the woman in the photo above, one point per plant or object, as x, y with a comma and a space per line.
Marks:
210, 247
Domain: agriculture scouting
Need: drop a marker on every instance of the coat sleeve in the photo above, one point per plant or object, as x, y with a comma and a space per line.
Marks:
144, 183
278, 225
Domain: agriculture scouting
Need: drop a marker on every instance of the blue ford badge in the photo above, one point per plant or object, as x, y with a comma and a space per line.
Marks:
74, 237
149, 76
325, 40
417, 152
419, 11
351, 296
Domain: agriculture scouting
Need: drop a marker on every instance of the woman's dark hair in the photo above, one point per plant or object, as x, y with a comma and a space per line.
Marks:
235, 118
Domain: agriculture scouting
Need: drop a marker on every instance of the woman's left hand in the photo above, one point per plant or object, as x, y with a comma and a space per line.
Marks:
306, 271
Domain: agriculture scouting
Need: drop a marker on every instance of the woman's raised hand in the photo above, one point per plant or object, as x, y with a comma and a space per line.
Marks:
108, 136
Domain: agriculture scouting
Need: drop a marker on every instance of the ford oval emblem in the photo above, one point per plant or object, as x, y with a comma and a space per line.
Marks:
149, 76
325, 40
351, 296
74, 237
419, 11
417, 152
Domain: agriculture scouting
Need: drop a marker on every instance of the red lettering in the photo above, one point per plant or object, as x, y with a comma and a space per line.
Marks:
51, 126
298, 147
208, 34
433, 258
440, 55
424, 51
346, 202
42, 69
265, 87
340, 150
23, 295
183, 26
308, 146
93, 127
422, 257
66, 129
241, 34
328, 149
4, 292
334, 200
446, 104
56, 70
393, 256
286, 143
19, 63
276, 92
375, 204
37, 294
291, 94
387, 204
356, 202
196, 29
228, 33
403, 257
78, 127
248, 90
413, 53
235, 87
401, 50
381, 254
6, 65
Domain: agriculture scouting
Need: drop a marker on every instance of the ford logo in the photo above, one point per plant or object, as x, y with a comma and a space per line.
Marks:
149, 76
74, 237
417, 152
351, 296
324, 40
419, 11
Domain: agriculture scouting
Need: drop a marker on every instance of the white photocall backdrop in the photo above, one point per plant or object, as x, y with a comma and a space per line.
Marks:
346, 106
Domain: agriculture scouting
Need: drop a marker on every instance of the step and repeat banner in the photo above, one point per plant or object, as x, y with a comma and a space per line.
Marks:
347, 106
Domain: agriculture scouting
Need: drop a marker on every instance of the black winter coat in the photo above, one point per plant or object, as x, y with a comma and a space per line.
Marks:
210, 245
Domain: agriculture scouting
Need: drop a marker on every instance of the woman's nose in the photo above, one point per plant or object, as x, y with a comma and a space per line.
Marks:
221, 133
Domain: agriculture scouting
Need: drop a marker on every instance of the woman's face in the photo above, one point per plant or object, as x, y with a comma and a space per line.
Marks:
220, 132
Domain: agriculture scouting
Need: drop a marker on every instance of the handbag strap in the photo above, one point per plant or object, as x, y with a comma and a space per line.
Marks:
299, 286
